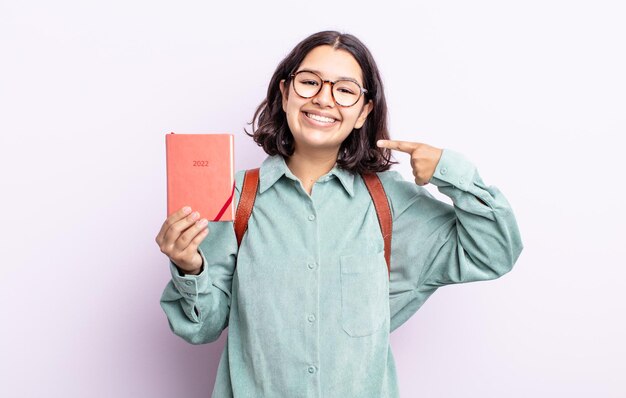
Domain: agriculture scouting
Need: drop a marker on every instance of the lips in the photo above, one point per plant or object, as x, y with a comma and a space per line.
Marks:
319, 120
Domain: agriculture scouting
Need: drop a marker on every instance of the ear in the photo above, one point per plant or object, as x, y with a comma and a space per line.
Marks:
284, 95
367, 108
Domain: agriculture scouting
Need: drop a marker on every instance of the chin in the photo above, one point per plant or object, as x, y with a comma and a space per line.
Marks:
317, 143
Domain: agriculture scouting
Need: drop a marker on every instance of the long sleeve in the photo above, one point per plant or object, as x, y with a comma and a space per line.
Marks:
435, 244
198, 306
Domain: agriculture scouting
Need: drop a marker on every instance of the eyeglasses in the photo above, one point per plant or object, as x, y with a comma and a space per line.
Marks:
308, 84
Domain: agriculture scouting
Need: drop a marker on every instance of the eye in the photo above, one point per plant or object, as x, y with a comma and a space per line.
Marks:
345, 90
346, 87
309, 82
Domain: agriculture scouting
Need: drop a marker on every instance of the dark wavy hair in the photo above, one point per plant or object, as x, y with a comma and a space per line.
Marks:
358, 152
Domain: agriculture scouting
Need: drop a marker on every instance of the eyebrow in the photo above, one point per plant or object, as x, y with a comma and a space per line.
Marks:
339, 78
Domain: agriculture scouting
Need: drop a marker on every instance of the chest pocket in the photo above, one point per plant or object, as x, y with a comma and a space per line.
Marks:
364, 293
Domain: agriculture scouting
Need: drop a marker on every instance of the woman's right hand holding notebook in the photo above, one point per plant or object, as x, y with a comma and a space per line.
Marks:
179, 237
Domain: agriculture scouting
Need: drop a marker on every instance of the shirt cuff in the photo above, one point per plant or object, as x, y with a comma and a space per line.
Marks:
189, 286
453, 169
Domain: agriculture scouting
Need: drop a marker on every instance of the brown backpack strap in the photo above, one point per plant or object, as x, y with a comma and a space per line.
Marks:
372, 182
246, 202
377, 192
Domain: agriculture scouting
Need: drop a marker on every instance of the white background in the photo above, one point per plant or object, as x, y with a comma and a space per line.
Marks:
533, 92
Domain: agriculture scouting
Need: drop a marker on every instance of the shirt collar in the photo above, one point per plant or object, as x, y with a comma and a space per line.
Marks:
273, 167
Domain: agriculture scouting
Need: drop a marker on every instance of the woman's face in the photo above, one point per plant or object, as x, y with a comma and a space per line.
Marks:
331, 64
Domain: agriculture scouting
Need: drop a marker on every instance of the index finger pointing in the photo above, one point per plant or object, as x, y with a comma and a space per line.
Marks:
404, 146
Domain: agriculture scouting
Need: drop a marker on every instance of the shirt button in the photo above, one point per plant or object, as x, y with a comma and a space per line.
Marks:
189, 283
461, 181
311, 217
443, 170
311, 369
311, 318
311, 265
189, 294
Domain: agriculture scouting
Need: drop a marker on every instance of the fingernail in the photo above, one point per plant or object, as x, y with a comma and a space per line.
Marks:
202, 222
186, 209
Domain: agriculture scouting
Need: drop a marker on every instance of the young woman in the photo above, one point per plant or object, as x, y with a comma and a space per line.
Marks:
310, 304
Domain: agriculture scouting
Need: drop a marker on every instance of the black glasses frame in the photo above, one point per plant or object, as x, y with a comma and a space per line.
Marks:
332, 85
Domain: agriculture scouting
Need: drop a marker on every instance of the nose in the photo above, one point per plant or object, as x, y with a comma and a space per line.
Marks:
325, 95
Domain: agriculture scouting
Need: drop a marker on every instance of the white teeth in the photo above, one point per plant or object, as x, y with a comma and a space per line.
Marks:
320, 118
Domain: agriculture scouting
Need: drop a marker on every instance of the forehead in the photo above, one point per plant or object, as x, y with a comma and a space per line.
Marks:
332, 63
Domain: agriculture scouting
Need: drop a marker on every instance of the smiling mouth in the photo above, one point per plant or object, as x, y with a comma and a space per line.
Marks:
320, 119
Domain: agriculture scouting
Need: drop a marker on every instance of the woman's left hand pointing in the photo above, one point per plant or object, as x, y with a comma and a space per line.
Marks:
424, 158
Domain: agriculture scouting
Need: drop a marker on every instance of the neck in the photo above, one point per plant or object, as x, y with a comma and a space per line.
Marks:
308, 167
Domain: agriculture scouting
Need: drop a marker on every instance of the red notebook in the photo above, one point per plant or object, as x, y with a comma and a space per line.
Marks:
201, 174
